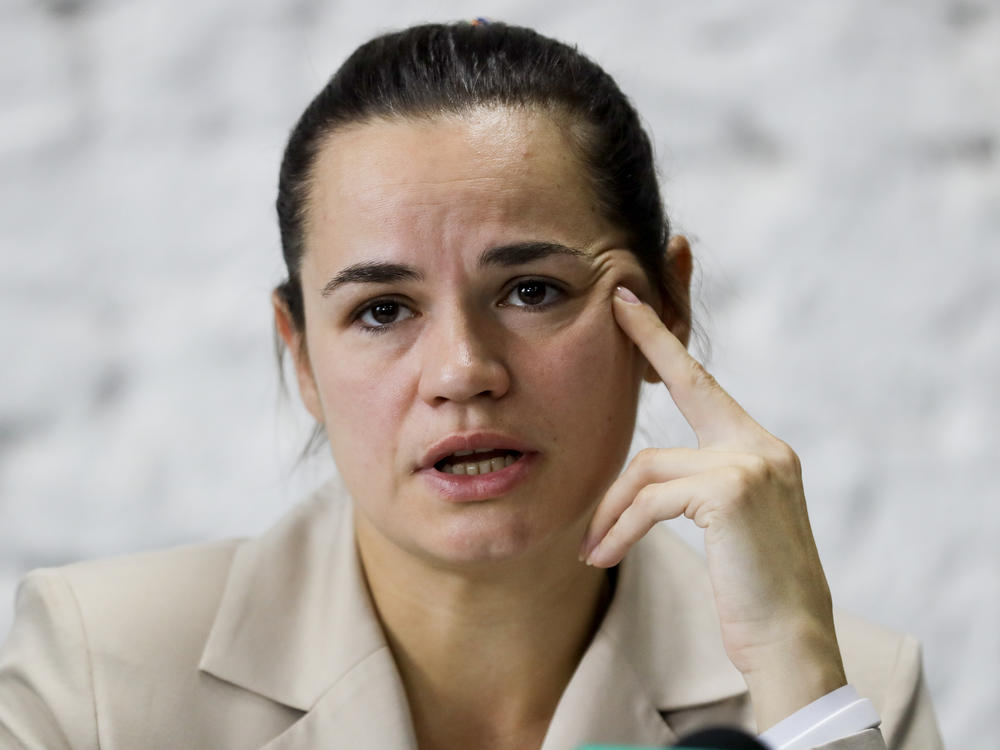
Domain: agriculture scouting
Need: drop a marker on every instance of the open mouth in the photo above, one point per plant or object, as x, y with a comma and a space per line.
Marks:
476, 462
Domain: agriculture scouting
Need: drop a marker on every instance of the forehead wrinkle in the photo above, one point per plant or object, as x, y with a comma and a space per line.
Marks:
524, 182
499, 211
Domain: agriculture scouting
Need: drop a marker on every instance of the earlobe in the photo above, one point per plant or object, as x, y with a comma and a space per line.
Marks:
675, 294
294, 340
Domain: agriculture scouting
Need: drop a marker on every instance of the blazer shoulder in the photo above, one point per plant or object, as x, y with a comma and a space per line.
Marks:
164, 565
131, 606
86, 637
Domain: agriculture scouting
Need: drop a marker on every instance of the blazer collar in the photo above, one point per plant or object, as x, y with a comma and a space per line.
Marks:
658, 651
295, 615
664, 622
296, 624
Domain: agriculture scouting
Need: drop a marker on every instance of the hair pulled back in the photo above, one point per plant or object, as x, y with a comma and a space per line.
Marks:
450, 68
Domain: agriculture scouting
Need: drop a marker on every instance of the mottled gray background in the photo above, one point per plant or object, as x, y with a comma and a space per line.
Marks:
837, 164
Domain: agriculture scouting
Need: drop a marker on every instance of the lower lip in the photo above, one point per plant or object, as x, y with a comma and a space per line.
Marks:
462, 488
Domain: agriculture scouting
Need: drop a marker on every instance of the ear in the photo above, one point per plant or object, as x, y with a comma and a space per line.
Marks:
676, 312
295, 342
675, 294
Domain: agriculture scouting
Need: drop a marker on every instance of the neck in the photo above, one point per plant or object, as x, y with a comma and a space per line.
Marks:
484, 653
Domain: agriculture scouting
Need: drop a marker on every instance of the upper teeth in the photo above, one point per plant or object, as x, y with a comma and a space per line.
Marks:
472, 468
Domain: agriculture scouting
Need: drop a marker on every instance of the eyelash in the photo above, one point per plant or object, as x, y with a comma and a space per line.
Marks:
369, 307
558, 289
550, 286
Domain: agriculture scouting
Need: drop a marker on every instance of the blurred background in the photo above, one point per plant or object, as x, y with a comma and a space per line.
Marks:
837, 165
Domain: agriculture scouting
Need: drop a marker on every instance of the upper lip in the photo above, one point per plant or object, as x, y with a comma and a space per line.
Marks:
470, 441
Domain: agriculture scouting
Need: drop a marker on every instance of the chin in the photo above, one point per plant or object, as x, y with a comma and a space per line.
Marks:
487, 538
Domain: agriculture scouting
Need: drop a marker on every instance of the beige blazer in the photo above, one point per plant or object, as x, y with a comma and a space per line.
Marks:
272, 643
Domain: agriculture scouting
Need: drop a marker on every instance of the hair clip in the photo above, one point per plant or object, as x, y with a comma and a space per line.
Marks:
479, 22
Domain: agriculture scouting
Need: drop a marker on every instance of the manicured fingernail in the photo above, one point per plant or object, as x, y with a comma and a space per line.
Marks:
594, 558
624, 293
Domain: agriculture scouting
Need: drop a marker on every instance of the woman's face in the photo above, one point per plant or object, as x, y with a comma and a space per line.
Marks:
457, 281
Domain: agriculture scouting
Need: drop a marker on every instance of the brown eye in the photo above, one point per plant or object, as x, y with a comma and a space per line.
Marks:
383, 313
532, 293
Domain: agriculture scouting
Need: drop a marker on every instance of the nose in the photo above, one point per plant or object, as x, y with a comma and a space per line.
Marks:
461, 360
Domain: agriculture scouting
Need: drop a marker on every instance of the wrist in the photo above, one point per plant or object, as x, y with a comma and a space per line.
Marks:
792, 673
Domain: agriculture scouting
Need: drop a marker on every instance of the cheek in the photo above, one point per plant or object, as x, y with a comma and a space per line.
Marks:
587, 365
363, 405
580, 387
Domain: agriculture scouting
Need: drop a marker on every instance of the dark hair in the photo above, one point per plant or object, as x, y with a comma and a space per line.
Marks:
450, 68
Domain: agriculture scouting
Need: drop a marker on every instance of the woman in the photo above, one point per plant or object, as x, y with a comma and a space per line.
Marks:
480, 277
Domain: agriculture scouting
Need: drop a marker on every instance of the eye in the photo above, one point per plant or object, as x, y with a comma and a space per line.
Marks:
532, 293
383, 313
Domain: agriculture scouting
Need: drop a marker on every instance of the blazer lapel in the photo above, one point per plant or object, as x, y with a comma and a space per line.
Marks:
665, 623
656, 659
365, 708
296, 625
606, 703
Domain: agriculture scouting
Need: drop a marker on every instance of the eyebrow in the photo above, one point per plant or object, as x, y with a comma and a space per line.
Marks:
371, 272
520, 253
505, 256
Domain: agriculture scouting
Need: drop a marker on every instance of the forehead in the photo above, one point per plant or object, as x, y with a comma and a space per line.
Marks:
451, 178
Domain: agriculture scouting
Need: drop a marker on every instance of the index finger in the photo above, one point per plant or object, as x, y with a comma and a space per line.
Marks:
712, 413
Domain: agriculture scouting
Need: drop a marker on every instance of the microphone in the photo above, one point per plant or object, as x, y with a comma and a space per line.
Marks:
719, 738
714, 738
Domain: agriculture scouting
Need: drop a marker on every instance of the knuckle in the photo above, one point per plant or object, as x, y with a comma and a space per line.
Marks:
645, 458
786, 459
733, 479
645, 462
741, 483
645, 502
700, 377
757, 469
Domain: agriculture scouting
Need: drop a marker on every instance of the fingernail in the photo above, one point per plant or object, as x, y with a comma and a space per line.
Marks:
594, 558
624, 293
